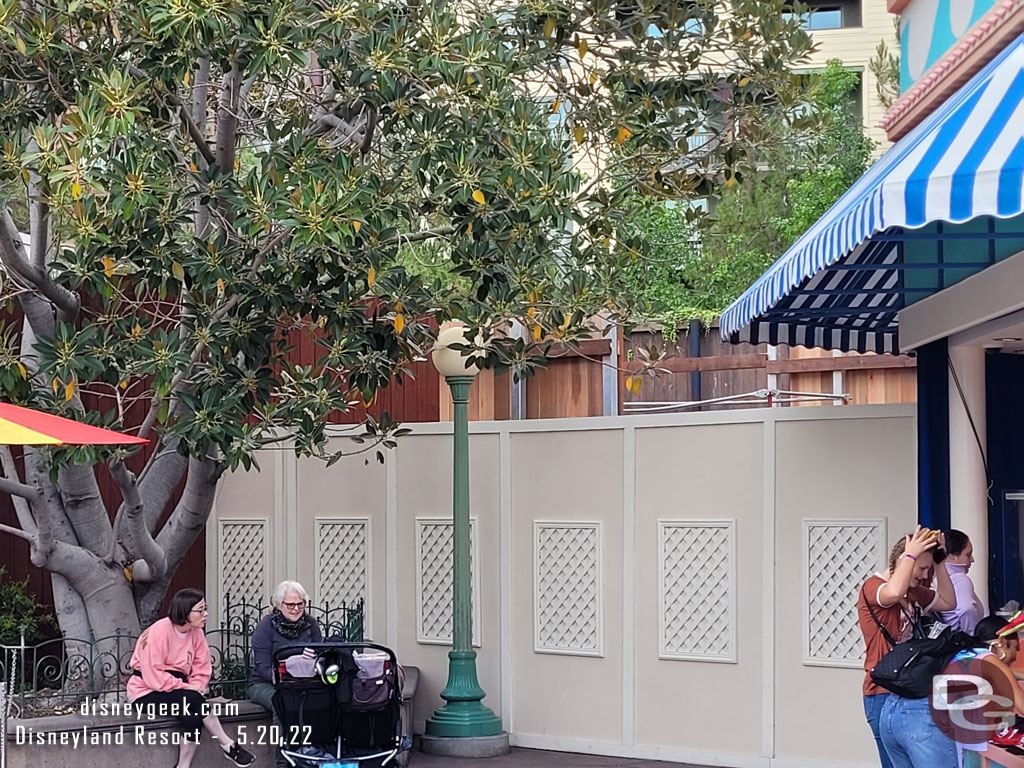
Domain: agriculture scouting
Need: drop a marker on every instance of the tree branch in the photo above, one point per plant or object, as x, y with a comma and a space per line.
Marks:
183, 528
12, 254
148, 561
200, 95
39, 216
20, 489
368, 130
193, 130
85, 509
243, 93
348, 133
17, 532
326, 101
22, 507
77, 565
158, 481
227, 120
51, 518
201, 90
416, 237
39, 321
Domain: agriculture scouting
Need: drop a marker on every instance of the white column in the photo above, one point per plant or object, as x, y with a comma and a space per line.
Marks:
772, 380
968, 489
610, 378
517, 408
838, 378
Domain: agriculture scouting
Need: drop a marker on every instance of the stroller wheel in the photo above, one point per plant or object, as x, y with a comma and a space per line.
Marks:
402, 758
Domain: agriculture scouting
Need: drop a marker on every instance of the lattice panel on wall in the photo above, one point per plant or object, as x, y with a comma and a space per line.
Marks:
243, 561
697, 589
342, 562
434, 580
839, 556
567, 588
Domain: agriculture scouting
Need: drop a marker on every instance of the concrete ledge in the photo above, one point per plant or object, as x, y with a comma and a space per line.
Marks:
474, 746
109, 741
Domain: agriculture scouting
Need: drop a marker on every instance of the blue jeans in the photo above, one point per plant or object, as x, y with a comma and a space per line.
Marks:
873, 711
912, 738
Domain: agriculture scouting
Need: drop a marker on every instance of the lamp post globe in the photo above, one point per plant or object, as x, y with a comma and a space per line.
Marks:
450, 362
463, 716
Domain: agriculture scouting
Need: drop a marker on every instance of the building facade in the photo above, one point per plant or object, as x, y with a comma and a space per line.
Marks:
850, 30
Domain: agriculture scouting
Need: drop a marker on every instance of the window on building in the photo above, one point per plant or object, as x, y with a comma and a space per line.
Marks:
628, 13
857, 97
830, 14
825, 17
692, 27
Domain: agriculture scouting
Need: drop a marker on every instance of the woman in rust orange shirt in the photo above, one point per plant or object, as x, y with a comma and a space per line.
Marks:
897, 597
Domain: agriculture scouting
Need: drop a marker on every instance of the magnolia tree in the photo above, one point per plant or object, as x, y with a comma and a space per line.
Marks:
186, 182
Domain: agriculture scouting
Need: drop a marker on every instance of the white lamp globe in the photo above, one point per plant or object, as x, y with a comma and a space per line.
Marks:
451, 362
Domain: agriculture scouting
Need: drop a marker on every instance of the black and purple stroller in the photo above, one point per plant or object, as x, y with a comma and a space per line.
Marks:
339, 705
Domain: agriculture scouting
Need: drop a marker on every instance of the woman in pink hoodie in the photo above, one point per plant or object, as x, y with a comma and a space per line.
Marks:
170, 671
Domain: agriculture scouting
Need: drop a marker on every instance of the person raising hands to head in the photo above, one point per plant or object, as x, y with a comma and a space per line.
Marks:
897, 596
911, 564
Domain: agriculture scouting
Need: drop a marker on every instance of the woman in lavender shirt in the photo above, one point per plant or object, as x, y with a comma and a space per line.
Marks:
969, 610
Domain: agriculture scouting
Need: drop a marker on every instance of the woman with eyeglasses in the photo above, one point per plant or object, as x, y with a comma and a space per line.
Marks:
170, 671
288, 624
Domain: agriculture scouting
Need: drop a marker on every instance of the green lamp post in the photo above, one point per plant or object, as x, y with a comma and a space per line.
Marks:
463, 714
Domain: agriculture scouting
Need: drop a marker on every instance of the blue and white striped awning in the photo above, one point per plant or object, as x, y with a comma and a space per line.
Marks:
841, 284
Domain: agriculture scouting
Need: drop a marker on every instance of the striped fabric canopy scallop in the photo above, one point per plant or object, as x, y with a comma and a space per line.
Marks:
964, 161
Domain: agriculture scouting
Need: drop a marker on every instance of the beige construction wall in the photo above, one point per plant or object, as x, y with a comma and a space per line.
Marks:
675, 587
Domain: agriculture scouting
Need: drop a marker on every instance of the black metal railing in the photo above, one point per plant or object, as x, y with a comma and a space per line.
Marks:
55, 675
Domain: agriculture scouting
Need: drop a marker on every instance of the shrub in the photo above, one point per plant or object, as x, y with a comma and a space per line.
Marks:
19, 608
232, 680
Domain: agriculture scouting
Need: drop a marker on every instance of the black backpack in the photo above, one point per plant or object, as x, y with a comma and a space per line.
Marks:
909, 668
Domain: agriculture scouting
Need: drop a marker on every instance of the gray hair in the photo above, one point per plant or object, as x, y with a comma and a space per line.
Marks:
284, 588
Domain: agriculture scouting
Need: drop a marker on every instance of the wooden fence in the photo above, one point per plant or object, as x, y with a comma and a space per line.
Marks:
590, 381
721, 370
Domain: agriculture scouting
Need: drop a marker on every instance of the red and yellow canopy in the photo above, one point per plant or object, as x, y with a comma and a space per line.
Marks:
23, 426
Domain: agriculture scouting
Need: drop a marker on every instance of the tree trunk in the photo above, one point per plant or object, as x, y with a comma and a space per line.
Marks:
93, 562
181, 531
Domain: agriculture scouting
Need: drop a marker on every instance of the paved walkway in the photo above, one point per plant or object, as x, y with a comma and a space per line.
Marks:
536, 758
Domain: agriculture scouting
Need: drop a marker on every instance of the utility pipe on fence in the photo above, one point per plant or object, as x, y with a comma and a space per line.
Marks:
695, 352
